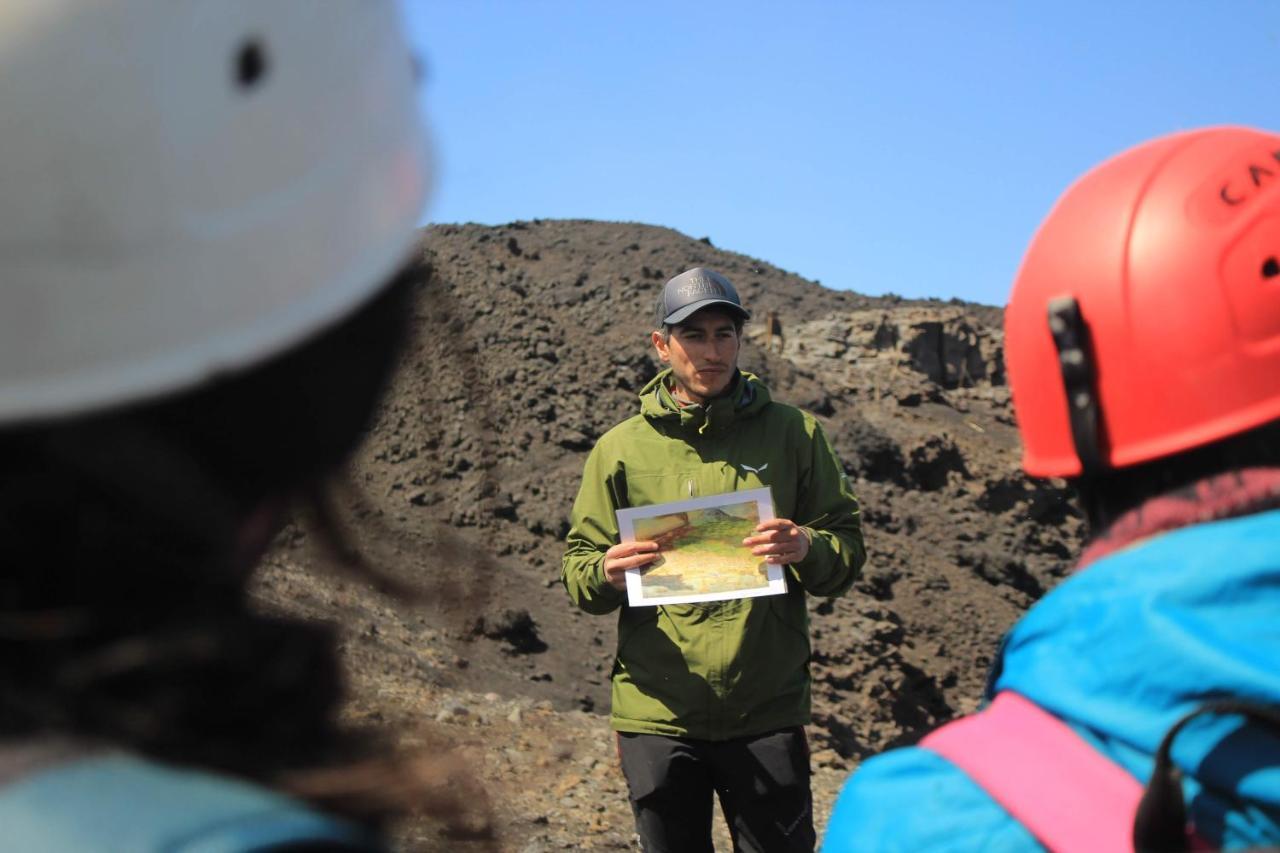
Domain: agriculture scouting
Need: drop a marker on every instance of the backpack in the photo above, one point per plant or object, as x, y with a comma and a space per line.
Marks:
1064, 792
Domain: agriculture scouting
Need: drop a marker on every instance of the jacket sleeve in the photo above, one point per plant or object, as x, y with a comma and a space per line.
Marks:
593, 530
828, 511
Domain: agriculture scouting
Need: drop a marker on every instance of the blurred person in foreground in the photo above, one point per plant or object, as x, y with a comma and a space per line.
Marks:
1137, 706
711, 698
206, 216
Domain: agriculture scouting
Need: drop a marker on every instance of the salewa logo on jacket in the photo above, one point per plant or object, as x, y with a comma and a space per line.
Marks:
748, 468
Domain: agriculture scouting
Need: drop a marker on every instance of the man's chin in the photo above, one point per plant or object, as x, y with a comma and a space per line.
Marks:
710, 391
703, 390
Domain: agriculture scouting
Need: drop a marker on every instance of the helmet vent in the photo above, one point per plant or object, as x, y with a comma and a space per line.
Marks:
1270, 267
250, 63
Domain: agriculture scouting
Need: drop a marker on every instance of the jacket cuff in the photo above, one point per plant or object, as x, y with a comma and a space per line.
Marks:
604, 589
813, 559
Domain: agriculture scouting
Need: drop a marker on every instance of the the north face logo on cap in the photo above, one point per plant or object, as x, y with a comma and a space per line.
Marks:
694, 289
700, 286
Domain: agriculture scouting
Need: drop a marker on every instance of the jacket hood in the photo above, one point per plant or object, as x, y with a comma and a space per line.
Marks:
747, 396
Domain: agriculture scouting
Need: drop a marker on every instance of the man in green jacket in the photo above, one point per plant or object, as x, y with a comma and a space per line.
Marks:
714, 696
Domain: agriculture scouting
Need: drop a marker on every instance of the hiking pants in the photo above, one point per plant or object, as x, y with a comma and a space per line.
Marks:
762, 782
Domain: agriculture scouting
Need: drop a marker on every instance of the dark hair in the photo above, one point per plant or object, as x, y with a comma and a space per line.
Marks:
123, 609
1109, 495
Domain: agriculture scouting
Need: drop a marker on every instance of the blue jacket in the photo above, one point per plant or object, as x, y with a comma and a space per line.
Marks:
1120, 652
117, 802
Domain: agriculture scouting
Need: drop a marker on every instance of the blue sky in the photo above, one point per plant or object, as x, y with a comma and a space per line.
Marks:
906, 147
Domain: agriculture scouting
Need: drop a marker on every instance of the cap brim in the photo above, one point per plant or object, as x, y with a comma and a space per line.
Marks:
682, 314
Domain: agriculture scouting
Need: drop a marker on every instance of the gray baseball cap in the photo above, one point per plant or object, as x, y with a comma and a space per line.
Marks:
694, 290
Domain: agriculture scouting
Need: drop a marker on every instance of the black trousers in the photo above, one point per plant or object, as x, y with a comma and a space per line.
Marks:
762, 782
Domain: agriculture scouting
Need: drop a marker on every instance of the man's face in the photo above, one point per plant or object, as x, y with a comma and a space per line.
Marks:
703, 354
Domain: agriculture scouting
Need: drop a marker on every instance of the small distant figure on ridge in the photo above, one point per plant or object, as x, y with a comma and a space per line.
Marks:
773, 332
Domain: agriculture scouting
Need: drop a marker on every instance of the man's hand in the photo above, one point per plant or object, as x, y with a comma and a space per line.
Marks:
779, 540
627, 555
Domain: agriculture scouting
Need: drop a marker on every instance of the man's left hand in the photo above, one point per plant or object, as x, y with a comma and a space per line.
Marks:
778, 540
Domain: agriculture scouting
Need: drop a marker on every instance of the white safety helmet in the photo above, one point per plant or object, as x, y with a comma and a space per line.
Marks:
188, 187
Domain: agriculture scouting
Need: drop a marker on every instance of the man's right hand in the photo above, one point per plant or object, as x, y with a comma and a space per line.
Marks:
627, 555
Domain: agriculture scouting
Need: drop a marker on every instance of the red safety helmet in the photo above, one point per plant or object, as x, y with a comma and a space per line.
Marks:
1145, 319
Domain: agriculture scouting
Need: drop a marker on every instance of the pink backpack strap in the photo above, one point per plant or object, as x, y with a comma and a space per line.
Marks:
1067, 794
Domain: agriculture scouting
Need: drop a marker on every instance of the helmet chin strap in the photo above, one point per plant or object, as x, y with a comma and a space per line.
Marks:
1071, 337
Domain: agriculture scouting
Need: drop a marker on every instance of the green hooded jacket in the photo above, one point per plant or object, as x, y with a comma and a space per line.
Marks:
723, 669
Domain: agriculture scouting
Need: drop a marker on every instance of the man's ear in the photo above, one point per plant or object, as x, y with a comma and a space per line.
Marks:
662, 346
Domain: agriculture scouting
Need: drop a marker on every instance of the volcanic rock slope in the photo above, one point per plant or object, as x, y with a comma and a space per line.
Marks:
530, 341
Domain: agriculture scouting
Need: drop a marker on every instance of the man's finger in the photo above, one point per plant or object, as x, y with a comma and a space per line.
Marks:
779, 535
630, 561
767, 550
626, 549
